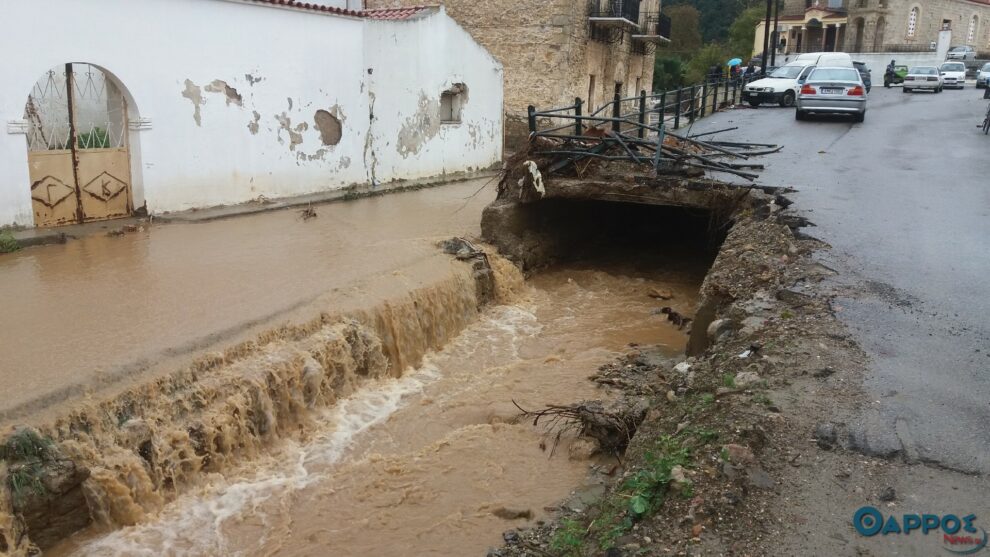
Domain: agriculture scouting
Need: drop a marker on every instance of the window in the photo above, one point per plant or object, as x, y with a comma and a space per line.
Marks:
451, 102
913, 22
972, 29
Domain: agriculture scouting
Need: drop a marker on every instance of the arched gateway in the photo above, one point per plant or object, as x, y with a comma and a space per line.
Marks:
78, 147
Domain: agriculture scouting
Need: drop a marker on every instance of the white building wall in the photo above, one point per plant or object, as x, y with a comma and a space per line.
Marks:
409, 138
209, 145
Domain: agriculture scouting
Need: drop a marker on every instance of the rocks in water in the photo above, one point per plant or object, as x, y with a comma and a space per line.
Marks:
513, 514
511, 537
660, 293
582, 448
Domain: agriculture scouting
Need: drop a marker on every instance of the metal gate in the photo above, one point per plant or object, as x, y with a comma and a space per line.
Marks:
77, 147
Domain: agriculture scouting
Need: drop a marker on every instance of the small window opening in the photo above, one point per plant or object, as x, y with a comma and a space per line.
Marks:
452, 101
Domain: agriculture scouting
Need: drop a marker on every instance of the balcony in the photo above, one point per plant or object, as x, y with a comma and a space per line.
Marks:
654, 29
621, 14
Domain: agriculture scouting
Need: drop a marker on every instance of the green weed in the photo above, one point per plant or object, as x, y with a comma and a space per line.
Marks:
729, 380
569, 538
8, 243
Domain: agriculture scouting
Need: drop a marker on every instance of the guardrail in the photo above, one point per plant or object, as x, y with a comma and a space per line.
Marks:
641, 114
626, 127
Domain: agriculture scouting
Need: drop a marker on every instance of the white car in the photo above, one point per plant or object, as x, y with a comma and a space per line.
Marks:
953, 74
779, 87
983, 76
923, 77
961, 53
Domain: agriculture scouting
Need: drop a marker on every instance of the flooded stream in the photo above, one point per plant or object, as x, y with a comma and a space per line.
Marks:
410, 463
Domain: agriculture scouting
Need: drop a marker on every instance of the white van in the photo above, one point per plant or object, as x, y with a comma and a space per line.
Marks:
826, 59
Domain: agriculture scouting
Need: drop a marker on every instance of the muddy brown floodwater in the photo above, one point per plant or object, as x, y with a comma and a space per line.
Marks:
417, 464
100, 308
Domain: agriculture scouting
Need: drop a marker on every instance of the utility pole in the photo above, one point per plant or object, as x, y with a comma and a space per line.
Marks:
776, 32
766, 38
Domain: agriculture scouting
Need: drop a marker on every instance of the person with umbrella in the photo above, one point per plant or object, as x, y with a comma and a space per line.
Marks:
734, 67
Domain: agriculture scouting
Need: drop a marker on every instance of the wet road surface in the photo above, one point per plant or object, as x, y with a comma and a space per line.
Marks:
102, 307
904, 200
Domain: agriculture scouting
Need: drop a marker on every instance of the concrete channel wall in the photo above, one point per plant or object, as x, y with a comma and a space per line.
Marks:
230, 101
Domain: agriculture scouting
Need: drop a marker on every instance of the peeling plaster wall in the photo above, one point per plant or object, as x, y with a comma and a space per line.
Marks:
408, 139
233, 115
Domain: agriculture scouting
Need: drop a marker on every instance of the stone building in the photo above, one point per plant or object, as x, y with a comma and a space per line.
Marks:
555, 50
879, 25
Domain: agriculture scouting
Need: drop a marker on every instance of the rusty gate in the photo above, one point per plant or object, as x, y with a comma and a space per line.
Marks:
77, 147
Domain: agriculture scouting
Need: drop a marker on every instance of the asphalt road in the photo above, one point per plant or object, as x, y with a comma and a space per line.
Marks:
904, 199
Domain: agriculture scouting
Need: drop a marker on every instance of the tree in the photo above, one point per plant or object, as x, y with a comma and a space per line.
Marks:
742, 33
711, 55
668, 73
685, 36
716, 15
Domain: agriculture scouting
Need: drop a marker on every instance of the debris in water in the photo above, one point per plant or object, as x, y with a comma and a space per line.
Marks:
612, 427
308, 213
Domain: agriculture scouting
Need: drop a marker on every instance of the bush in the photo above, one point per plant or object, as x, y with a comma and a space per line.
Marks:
7, 242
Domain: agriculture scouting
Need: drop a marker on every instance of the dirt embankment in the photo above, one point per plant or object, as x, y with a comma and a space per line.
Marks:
736, 431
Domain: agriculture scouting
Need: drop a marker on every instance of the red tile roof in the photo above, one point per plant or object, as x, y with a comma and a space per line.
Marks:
309, 6
395, 14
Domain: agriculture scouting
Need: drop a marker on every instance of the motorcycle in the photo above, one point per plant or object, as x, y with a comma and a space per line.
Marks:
894, 76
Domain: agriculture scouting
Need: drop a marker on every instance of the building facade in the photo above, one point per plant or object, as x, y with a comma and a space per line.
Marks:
878, 26
556, 50
301, 99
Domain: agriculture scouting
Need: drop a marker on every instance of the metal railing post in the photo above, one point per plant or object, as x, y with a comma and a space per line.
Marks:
578, 128
532, 119
694, 101
704, 96
663, 106
725, 96
715, 99
617, 113
642, 114
677, 112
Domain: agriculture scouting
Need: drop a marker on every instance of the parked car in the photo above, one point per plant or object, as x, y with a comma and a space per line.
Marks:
983, 76
961, 53
832, 91
923, 77
900, 72
866, 74
779, 87
953, 74
826, 59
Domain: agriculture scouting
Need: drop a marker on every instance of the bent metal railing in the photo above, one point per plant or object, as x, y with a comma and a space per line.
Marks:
620, 129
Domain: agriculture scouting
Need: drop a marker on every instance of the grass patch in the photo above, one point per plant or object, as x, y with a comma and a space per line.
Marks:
643, 492
27, 452
8, 243
729, 380
568, 540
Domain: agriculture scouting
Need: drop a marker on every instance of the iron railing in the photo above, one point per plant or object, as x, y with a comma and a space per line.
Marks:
624, 9
655, 24
633, 122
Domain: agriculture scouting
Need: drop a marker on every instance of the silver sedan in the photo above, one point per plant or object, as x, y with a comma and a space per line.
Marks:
832, 91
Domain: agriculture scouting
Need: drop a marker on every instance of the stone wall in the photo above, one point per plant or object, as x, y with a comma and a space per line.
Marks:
888, 20
547, 53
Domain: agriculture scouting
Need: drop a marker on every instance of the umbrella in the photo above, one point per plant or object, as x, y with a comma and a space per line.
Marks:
734, 62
